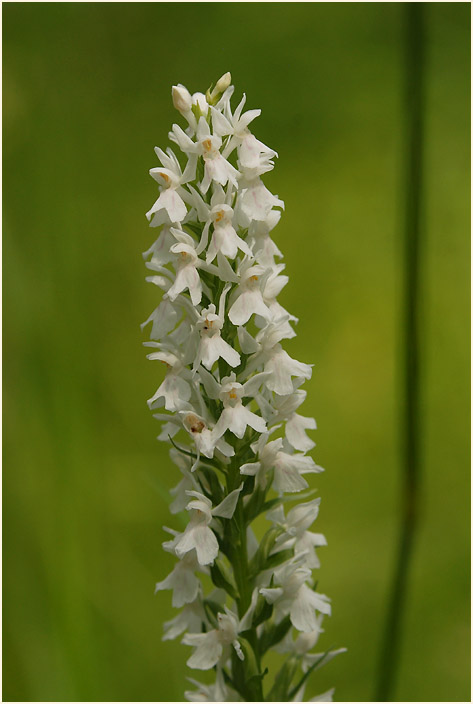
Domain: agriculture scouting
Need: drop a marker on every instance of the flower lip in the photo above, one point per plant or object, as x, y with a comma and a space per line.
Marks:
165, 177
210, 146
194, 423
231, 394
211, 324
221, 212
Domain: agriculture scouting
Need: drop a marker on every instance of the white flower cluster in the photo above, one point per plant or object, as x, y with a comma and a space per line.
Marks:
228, 403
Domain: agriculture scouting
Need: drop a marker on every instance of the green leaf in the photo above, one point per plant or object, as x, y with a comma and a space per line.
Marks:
278, 692
194, 227
253, 676
215, 493
239, 677
222, 580
263, 611
212, 609
278, 558
274, 633
248, 486
255, 505
260, 676
261, 556
208, 95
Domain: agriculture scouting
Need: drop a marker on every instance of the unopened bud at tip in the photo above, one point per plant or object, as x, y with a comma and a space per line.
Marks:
214, 94
223, 83
181, 98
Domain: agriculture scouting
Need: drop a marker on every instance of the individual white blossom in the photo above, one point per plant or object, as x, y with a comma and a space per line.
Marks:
247, 298
171, 179
295, 534
183, 581
229, 404
293, 596
288, 467
198, 533
210, 647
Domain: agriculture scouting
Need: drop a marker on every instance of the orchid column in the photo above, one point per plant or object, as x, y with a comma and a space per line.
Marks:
229, 406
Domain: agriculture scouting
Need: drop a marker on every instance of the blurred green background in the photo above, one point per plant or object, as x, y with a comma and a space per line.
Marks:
86, 98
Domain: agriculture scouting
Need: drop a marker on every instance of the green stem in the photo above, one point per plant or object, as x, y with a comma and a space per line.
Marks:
240, 551
414, 67
244, 584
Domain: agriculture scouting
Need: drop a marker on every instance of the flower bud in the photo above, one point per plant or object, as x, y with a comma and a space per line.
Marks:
223, 83
181, 98
214, 94
200, 105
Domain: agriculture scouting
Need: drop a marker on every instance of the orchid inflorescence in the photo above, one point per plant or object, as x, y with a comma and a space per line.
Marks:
230, 398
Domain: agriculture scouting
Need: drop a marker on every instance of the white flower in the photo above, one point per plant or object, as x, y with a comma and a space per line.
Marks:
212, 346
235, 416
264, 248
295, 597
160, 249
283, 368
190, 618
170, 178
203, 436
175, 390
224, 237
295, 432
283, 408
255, 201
210, 646
164, 319
288, 468
296, 535
250, 149
216, 167
187, 276
198, 534
219, 214
183, 581
248, 298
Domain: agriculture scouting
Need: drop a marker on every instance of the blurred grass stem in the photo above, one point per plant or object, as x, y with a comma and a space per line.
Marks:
410, 424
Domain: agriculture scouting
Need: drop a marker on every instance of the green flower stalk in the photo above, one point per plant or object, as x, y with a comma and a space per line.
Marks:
229, 406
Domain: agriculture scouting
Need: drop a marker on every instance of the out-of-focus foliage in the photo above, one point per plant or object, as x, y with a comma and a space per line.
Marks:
86, 97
